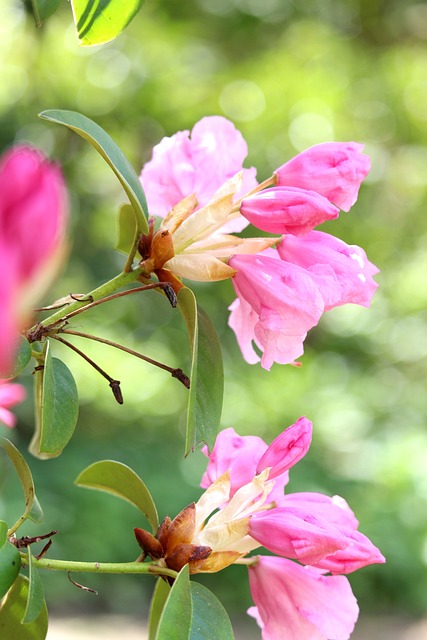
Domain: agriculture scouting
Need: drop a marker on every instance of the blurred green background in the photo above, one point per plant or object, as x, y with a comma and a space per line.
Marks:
289, 75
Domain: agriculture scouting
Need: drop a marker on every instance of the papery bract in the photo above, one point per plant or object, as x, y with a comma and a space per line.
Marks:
10, 394
333, 169
300, 603
32, 221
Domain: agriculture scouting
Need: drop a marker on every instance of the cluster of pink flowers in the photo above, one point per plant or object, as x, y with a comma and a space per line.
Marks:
197, 184
32, 223
299, 593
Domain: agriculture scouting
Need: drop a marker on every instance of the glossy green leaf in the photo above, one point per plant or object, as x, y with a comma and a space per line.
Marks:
57, 407
35, 600
175, 621
209, 619
43, 9
111, 153
99, 21
127, 228
207, 375
160, 595
23, 357
120, 480
192, 612
10, 563
11, 613
33, 510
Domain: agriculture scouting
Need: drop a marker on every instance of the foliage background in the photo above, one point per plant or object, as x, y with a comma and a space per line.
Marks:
289, 75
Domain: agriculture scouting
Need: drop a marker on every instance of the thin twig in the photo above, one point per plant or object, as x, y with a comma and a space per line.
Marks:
114, 384
175, 372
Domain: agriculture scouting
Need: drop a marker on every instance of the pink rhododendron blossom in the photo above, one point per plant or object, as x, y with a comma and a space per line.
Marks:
10, 394
198, 186
300, 603
333, 169
287, 210
32, 220
245, 481
280, 304
198, 163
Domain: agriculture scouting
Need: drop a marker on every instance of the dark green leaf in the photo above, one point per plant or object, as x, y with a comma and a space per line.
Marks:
35, 600
209, 619
160, 595
32, 507
23, 357
10, 563
57, 407
99, 21
175, 621
127, 228
111, 153
116, 478
207, 376
43, 9
11, 613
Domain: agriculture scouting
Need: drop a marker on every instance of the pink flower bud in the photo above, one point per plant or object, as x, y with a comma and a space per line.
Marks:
287, 210
33, 214
333, 169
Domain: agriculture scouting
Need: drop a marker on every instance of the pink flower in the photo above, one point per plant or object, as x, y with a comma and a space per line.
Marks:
245, 481
32, 221
10, 394
278, 302
198, 164
287, 210
300, 603
333, 169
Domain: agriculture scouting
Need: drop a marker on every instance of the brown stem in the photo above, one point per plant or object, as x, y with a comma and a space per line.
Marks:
114, 384
175, 372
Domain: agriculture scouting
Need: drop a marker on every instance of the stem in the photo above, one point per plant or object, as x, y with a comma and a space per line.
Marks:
101, 567
249, 562
175, 372
100, 292
129, 262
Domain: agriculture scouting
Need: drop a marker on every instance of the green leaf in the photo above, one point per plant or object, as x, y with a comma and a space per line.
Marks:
192, 612
3, 532
10, 563
118, 479
35, 600
43, 9
207, 375
160, 595
99, 21
175, 621
32, 507
111, 153
209, 620
127, 228
11, 613
23, 357
57, 407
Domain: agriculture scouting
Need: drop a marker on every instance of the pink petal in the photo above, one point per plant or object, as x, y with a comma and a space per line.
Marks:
10, 394
284, 303
359, 553
296, 533
287, 449
287, 210
237, 454
300, 603
342, 272
200, 164
333, 169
